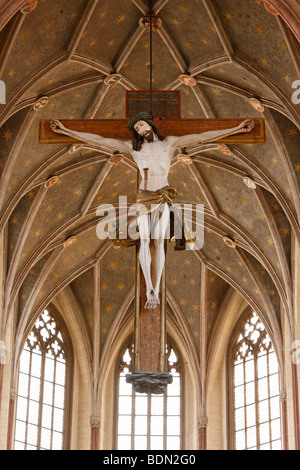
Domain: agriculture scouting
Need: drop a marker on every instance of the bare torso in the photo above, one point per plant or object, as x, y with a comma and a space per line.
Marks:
156, 158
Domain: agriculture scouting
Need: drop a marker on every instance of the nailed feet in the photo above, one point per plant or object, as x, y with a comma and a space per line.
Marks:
152, 300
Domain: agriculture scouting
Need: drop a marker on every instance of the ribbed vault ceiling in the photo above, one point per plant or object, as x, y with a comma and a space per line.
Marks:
64, 51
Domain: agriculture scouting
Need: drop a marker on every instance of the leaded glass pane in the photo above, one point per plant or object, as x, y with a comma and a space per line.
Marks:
256, 389
41, 388
148, 421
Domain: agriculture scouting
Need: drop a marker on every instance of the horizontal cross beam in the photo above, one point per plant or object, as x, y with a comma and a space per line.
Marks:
117, 129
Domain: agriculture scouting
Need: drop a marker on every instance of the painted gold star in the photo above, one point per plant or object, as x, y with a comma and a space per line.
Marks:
14, 220
104, 286
286, 231
11, 73
121, 286
108, 308
274, 160
113, 265
48, 26
293, 131
196, 307
7, 135
182, 301
191, 321
297, 169
228, 16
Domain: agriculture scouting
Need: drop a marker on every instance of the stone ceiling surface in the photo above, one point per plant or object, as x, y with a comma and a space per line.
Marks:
64, 51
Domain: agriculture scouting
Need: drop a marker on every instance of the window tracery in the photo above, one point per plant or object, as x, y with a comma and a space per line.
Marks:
41, 388
256, 389
148, 421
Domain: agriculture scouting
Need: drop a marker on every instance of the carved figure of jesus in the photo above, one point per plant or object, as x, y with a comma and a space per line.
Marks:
152, 153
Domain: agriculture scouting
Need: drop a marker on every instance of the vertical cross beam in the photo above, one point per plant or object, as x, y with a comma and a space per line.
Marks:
149, 337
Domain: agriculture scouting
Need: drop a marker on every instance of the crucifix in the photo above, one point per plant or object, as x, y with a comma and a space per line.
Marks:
151, 144
152, 153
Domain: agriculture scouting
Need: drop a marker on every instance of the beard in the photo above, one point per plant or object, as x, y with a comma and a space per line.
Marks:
148, 136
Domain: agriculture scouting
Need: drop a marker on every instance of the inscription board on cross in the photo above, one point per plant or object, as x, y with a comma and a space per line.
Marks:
164, 104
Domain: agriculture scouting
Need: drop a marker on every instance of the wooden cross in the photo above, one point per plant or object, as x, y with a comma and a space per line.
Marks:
117, 129
150, 324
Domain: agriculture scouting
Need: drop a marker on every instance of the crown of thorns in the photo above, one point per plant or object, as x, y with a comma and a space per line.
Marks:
138, 117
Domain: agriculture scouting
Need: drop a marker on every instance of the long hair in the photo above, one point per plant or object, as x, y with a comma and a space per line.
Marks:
138, 140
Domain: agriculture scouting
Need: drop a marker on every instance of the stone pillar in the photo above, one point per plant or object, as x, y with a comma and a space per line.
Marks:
11, 418
95, 431
202, 433
294, 365
284, 420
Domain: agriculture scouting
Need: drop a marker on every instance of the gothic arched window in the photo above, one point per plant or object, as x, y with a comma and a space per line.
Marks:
256, 389
149, 421
40, 412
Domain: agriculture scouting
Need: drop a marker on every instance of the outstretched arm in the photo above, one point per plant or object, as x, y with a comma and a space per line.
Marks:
93, 139
212, 136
